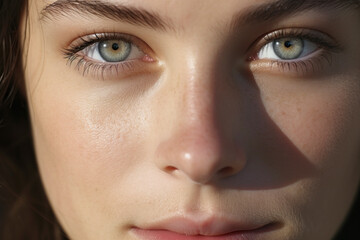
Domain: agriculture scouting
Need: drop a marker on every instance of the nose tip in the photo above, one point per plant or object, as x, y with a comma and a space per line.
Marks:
202, 158
203, 170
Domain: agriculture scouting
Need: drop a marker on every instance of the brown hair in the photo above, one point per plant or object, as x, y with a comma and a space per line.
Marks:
25, 212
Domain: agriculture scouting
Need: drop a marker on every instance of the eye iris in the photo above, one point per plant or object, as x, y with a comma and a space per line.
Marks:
114, 50
288, 48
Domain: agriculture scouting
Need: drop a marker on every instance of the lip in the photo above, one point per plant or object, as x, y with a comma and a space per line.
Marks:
203, 228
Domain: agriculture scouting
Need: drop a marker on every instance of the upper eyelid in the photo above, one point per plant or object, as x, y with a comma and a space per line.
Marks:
91, 39
82, 42
309, 34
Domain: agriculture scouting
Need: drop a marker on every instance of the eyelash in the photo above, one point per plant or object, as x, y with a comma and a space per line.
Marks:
326, 46
103, 69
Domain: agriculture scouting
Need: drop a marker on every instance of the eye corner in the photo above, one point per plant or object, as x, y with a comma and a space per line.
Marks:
251, 58
149, 59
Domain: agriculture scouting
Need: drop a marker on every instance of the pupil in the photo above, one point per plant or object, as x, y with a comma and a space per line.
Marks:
115, 46
288, 44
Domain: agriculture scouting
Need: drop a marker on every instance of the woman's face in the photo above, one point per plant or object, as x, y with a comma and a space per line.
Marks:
170, 119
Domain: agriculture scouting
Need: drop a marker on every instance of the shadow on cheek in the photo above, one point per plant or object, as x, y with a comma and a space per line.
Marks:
273, 161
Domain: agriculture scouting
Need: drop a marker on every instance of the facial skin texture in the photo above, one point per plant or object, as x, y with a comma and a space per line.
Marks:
200, 132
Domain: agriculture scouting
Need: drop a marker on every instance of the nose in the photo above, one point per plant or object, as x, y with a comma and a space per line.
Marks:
203, 143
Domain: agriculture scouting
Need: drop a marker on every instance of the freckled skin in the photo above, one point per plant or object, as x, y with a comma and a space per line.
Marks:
195, 135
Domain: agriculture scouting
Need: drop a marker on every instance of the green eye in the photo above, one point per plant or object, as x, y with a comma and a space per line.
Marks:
288, 48
114, 50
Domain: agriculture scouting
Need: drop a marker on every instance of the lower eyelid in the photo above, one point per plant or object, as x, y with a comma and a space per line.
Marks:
304, 58
109, 70
315, 63
116, 70
88, 67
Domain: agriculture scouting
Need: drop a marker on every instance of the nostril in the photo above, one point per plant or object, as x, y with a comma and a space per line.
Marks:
226, 171
170, 169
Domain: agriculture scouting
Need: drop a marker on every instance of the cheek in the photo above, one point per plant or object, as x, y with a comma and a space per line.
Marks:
321, 120
88, 137
87, 143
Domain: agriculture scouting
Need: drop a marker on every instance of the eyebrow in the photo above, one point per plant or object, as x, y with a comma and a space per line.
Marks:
282, 8
141, 17
112, 11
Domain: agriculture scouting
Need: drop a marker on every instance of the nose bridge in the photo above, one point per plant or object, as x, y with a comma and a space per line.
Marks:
198, 130
200, 146
203, 94
198, 103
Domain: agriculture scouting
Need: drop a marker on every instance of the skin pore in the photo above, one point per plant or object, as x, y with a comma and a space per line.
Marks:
195, 123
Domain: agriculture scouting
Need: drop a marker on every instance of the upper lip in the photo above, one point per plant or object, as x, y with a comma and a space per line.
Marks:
205, 225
